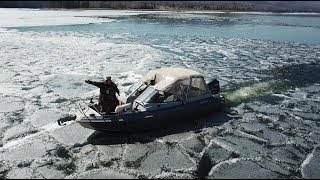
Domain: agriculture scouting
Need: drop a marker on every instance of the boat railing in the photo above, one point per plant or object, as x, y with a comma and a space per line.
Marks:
81, 110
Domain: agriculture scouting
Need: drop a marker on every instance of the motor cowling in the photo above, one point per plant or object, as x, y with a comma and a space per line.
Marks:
214, 86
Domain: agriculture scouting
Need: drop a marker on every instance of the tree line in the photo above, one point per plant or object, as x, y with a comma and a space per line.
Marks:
164, 5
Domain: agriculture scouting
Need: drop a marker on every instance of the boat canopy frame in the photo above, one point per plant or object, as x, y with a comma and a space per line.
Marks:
184, 86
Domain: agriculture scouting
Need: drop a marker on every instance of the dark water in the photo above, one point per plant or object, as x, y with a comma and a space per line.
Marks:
275, 27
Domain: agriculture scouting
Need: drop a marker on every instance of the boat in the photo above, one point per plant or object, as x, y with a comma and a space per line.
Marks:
172, 95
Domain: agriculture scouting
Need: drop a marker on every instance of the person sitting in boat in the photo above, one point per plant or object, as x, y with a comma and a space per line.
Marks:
107, 98
178, 94
180, 91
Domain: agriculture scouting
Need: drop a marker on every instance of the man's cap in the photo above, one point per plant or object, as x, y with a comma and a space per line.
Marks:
108, 77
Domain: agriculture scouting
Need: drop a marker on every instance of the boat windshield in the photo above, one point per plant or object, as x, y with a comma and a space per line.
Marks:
135, 87
147, 94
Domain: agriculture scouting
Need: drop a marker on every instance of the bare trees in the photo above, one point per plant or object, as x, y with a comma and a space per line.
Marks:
275, 6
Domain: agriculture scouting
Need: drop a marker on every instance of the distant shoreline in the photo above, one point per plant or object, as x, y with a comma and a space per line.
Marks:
178, 6
181, 11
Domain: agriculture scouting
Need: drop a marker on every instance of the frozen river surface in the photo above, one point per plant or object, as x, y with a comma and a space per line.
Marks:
268, 68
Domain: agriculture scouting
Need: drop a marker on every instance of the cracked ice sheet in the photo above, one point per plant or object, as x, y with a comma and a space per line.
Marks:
13, 17
310, 166
35, 147
243, 146
17, 131
240, 168
20, 173
43, 117
88, 57
72, 134
101, 174
10, 104
165, 156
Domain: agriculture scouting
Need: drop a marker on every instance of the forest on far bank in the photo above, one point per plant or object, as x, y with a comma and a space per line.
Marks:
270, 6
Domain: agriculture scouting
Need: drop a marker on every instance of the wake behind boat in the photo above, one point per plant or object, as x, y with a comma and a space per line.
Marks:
174, 94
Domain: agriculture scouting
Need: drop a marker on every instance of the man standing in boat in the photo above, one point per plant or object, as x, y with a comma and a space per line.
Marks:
107, 98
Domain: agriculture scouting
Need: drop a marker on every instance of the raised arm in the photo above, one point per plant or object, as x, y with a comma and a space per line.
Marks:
98, 84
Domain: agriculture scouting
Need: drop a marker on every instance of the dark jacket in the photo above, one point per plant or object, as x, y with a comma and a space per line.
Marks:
107, 91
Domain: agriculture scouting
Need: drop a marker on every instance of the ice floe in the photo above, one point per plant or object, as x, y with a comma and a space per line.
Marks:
310, 166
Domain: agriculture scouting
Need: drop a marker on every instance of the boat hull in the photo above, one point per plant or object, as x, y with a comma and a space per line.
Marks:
154, 119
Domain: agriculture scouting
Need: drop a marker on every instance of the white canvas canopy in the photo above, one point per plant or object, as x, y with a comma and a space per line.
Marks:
166, 78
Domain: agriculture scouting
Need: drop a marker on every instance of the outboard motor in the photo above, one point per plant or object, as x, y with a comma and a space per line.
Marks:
214, 86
